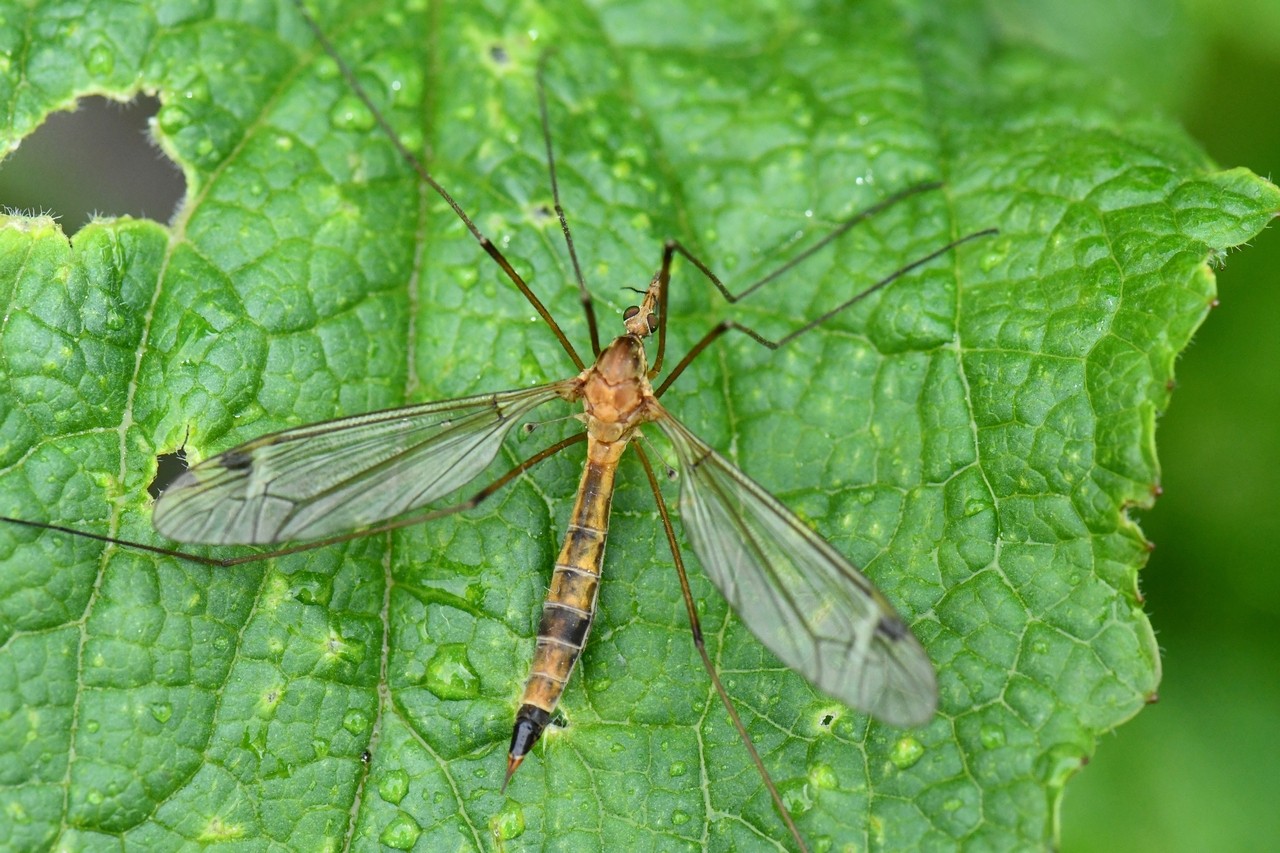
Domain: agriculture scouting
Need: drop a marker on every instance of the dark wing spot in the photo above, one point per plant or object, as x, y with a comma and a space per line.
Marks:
236, 460
702, 457
892, 627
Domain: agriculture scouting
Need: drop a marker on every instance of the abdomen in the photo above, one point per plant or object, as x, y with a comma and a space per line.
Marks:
570, 606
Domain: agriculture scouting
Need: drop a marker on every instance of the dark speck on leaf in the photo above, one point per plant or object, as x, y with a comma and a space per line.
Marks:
499, 54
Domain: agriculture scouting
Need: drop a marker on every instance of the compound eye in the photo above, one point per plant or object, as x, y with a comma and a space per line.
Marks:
631, 312
653, 322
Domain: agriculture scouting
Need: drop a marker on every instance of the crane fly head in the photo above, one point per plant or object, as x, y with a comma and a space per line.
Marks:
642, 320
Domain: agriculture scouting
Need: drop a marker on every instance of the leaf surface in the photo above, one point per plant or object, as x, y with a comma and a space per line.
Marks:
973, 436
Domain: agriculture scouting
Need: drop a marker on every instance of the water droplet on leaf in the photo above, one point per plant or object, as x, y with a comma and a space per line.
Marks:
356, 722
797, 795
101, 60
393, 786
349, 113
906, 752
449, 673
508, 823
823, 776
402, 833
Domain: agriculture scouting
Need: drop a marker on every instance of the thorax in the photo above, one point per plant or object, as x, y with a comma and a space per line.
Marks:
615, 391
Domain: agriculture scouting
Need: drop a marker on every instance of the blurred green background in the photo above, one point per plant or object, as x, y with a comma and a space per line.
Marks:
1199, 770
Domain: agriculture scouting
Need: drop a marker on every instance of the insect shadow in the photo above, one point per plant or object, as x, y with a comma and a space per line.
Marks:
330, 482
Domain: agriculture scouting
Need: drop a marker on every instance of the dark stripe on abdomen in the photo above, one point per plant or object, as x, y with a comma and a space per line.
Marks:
570, 606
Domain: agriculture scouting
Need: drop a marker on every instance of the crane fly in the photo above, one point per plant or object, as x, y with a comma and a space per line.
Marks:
355, 476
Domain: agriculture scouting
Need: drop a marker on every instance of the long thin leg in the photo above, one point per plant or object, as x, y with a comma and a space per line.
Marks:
730, 325
835, 234
588, 306
395, 524
673, 247
664, 286
696, 626
425, 176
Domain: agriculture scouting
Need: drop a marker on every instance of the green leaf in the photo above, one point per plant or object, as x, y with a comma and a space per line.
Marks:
974, 435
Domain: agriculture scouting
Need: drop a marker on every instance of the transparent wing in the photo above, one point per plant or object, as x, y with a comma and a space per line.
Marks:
328, 478
796, 593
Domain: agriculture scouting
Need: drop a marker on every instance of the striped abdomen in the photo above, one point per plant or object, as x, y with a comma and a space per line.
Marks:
571, 602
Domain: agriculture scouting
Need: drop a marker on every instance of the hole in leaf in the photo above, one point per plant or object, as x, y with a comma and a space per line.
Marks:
169, 467
97, 159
